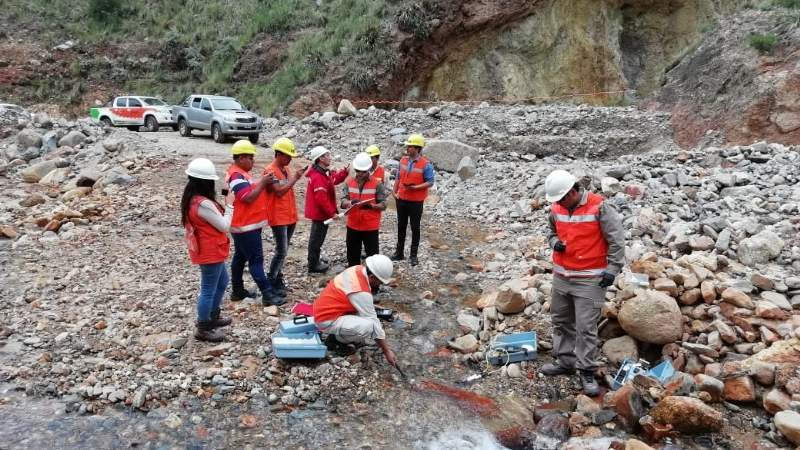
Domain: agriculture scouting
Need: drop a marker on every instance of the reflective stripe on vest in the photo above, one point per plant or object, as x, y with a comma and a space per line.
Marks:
363, 219
246, 216
414, 176
206, 244
587, 249
333, 303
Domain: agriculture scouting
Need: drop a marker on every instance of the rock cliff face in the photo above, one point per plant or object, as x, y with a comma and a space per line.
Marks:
556, 47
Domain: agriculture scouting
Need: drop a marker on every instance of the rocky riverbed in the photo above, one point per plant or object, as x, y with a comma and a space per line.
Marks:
98, 295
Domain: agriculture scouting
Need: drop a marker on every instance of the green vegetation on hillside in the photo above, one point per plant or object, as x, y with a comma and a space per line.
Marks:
197, 43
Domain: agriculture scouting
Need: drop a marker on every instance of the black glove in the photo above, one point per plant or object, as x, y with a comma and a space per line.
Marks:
559, 247
608, 279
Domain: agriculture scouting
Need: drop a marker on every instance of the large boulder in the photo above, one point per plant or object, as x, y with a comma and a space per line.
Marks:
617, 349
510, 297
466, 168
346, 108
72, 139
34, 173
652, 316
759, 249
788, 423
687, 415
28, 138
446, 154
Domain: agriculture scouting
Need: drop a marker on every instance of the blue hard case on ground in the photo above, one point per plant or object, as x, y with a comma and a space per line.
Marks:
301, 324
305, 345
513, 348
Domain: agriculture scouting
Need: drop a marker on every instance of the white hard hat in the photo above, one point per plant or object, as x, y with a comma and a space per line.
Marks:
362, 161
380, 266
557, 184
315, 153
202, 168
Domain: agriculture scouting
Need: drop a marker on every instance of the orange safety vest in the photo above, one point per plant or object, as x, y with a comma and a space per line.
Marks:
247, 216
379, 174
587, 250
333, 303
413, 177
206, 244
280, 210
363, 219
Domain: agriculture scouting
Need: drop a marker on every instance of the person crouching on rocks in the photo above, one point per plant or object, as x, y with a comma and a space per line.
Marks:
345, 308
206, 231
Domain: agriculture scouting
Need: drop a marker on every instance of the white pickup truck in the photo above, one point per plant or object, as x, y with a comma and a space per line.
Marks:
135, 111
223, 116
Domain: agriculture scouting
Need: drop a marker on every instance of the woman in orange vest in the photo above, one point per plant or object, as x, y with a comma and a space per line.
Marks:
206, 233
281, 214
411, 189
364, 220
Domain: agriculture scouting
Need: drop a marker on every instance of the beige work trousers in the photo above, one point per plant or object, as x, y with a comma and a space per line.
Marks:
351, 329
575, 310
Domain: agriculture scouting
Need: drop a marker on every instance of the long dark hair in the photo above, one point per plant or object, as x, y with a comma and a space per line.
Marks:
195, 186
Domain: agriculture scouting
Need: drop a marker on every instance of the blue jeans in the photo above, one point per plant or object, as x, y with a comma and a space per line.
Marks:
248, 249
283, 236
213, 282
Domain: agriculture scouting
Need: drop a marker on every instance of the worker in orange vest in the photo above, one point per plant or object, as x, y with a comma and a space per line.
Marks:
249, 218
588, 243
281, 213
206, 233
345, 308
376, 171
367, 197
411, 190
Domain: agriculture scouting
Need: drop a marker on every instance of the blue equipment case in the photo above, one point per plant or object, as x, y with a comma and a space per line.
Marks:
300, 324
305, 345
513, 348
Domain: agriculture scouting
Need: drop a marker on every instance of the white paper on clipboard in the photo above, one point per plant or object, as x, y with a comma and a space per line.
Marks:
344, 213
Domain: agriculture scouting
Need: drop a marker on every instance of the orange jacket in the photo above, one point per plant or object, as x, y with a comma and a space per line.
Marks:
587, 249
363, 219
247, 216
415, 176
379, 174
280, 210
333, 302
206, 244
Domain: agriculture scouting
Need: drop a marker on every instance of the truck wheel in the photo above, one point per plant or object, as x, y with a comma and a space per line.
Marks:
106, 122
253, 138
151, 124
216, 133
174, 127
184, 129
133, 127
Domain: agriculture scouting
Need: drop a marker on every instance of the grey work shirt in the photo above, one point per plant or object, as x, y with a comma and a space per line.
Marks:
613, 233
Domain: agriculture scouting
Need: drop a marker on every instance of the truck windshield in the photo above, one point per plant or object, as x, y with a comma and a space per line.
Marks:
153, 101
226, 104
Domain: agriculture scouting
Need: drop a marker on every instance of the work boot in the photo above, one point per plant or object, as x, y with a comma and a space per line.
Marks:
217, 321
552, 369
240, 293
278, 285
413, 260
269, 297
398, 256
317, 267
590, 386
337, 347
205, 332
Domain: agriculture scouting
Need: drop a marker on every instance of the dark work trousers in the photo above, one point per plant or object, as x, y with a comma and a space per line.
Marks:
315, 240
408, 210
283, 237
354, 240
247, 249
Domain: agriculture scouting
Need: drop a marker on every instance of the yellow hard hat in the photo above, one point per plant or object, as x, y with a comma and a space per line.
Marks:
285, 146
416, 140
243, 147
373, 150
